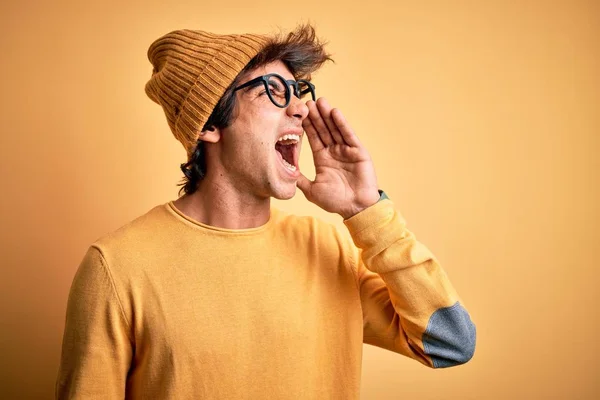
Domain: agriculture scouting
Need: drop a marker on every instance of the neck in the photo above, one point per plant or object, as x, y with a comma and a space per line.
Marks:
221, 204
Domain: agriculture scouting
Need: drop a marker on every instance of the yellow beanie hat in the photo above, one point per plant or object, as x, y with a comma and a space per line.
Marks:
192, 70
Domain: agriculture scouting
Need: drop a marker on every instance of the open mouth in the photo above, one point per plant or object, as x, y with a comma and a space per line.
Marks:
287, 147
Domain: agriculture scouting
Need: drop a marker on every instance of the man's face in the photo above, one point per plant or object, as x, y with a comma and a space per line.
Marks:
251, 156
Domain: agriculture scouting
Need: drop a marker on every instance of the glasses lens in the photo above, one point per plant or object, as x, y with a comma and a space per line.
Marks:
304, 89
279, 90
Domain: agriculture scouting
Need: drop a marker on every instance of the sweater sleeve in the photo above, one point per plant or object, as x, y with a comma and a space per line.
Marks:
409, 305
97, 346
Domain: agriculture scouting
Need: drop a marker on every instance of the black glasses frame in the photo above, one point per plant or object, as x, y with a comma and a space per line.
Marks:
288, 96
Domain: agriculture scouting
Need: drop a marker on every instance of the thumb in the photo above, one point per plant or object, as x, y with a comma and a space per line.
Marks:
304, 184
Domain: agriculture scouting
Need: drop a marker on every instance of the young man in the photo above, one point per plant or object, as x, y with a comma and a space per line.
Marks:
217, 295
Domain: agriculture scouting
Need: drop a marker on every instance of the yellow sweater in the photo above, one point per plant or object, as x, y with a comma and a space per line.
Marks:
169, 308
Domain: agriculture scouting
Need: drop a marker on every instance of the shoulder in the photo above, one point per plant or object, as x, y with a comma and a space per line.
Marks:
135, 238
301, 223
146, 224
313, 229
321, 241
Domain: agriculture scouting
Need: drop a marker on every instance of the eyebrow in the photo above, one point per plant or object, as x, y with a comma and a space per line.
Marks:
253, 86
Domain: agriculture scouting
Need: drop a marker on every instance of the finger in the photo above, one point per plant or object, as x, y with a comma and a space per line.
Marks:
313, 137
304, 185
325, 110
319, 124
347, 132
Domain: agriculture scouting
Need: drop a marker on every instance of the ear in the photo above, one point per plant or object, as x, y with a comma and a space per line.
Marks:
211, 135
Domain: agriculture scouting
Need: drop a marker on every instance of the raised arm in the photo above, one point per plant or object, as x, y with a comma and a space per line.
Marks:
409, 305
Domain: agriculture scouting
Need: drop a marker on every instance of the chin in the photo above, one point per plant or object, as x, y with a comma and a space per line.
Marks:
284, 193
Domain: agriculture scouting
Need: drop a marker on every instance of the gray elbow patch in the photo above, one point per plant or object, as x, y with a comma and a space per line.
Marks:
450, 337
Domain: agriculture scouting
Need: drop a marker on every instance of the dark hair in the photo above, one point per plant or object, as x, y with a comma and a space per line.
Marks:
301, 52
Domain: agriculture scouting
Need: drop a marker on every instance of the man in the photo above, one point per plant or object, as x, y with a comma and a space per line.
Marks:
217, 295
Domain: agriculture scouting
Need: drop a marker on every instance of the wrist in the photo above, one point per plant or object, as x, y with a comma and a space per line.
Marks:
356, 208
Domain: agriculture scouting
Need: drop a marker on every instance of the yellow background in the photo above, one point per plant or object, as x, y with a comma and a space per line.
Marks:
482, 118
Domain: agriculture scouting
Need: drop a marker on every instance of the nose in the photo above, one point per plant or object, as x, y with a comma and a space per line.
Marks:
297, 108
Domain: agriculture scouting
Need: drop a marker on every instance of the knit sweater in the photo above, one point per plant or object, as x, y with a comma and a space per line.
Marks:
166, 307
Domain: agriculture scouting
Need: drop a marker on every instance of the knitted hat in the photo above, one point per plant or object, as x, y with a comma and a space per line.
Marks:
192, 70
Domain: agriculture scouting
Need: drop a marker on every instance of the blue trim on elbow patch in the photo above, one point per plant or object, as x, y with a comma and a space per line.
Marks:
450, 336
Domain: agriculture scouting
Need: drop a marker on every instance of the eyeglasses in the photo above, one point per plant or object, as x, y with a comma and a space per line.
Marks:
278, 89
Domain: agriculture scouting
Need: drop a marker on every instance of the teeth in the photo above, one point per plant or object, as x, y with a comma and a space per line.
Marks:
294, 138
288, 165
289, 139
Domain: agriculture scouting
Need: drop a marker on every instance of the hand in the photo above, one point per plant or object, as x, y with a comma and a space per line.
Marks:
345, 181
